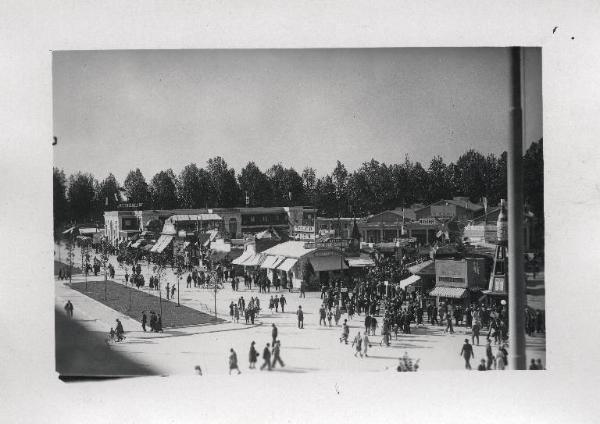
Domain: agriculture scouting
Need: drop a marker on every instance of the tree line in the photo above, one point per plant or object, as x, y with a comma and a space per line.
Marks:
372, 188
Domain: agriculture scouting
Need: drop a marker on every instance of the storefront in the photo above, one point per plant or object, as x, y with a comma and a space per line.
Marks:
296, 261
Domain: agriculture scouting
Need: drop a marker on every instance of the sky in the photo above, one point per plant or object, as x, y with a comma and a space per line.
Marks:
115, 111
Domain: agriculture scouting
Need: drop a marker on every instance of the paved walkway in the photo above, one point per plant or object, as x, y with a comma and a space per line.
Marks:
312, 349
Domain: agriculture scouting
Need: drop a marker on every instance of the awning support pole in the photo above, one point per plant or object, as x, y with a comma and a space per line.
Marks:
516, 287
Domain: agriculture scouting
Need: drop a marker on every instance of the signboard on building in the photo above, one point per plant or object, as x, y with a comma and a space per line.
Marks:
304, 228
338, 243
129, 205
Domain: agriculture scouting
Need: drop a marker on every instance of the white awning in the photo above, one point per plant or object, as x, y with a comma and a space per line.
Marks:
246, 255
137, 243
255, 260
287, 264
360, 262
271, 262
451, 292
418, 267
161, 244
408, 281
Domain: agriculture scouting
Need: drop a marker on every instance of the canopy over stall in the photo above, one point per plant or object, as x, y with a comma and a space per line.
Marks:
287, 264
162, 243
271, 262
409, 281
451, 292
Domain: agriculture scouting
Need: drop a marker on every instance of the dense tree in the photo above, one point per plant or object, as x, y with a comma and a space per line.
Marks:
60, 205
223, 183
440, 180
163, 191
256, 185
471, 175
287, 185
108, 194
325, 201
340, 180
309, 181
533, 182
136, 188
194, 188
81, 196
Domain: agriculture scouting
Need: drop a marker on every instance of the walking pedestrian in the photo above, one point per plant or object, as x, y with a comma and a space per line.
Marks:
144, 320
236, 314
345, 332
329, 316
300, 317
69, 309
266, 358
189, 281
337, 315
282, 301
126, 277
475, 332
358, 342
233, 362
366, 344
532, 365
274, 334
173, 292
489, 354
322, 315
252, 355
276, 302
276, 354
500, 359
467, 353
168, 291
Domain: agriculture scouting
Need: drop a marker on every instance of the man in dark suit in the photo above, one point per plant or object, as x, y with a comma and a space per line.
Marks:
467, 353
267, 358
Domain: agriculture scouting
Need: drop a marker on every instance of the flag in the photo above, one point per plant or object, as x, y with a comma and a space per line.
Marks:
485, 204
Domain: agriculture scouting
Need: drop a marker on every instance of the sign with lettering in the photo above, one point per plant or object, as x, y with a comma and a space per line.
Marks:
304, 228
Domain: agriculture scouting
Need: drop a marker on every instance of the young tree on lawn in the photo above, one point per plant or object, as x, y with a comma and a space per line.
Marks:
160, 265
85, 246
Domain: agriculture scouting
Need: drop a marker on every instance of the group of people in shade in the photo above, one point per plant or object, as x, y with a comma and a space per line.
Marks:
155, 322
271, 354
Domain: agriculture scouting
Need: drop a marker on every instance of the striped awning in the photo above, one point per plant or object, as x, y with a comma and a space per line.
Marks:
271, 262
254, 260
161, 244
240, 260
451, 292
287, 264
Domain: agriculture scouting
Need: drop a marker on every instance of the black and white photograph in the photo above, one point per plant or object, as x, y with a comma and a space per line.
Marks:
298, 211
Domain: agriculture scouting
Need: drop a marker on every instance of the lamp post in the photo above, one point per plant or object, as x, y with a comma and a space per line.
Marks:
516, 291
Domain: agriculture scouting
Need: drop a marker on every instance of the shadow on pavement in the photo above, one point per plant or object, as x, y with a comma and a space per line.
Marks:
82, 355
